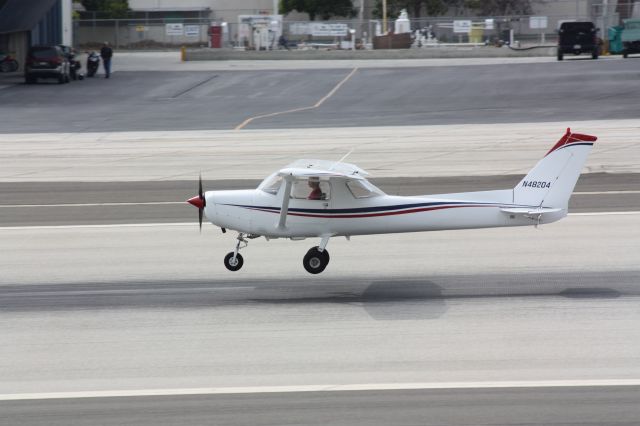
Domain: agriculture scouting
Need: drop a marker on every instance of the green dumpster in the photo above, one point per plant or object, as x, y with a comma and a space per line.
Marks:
615, 40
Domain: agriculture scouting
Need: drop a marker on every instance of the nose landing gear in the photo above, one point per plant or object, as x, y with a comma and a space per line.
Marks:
233, 260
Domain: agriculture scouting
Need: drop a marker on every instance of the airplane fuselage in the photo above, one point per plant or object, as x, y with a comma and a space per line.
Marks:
256, 212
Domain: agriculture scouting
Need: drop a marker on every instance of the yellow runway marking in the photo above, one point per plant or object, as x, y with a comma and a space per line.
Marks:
316, 105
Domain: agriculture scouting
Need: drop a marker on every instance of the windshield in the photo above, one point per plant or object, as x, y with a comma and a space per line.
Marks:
574, 27
363, 189
271, 184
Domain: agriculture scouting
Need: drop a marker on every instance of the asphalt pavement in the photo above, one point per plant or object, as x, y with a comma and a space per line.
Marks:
605, 406
189, 100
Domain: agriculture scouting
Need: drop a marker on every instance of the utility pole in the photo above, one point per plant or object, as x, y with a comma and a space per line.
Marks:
384, 17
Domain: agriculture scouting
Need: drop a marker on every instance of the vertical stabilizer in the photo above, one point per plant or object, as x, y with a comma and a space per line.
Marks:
551, 182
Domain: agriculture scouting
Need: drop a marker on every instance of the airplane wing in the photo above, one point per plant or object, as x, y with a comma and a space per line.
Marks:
302, 173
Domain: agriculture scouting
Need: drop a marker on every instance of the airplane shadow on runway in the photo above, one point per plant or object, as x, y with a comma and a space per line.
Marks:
383, 299
420, 299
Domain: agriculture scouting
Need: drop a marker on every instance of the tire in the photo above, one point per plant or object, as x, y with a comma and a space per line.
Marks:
13, 66
324, 252
560, 55
315, 261
230, 264
5, 67
625, 54
29, 79
594, 55
61, 79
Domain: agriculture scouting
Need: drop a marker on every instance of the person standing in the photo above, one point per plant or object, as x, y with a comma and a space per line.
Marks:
106, 53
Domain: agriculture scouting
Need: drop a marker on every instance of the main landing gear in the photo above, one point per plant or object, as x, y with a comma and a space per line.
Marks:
314, 262
317, 258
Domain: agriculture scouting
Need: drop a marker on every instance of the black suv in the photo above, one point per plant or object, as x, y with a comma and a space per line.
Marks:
577, 38
46, 62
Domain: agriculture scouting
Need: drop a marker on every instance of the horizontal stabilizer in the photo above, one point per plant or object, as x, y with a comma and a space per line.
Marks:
534, 212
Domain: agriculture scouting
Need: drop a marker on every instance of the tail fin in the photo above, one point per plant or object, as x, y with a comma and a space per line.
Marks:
551, 182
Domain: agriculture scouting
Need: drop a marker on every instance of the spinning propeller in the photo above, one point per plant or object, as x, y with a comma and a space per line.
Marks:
199, 201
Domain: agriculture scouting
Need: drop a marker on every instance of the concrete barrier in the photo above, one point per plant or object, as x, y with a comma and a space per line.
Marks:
424, 53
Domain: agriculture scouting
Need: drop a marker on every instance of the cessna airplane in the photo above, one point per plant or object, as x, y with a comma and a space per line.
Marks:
324, 199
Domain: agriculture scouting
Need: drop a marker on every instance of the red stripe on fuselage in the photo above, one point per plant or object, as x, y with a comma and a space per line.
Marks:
356, 216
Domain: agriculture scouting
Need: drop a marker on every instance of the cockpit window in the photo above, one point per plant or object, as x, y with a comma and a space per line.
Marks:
362, 189
271, 184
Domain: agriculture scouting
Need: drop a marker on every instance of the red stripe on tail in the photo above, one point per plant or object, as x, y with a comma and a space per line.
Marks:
569, 137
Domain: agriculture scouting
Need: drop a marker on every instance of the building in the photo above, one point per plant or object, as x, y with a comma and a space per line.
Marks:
25, 23
219, 10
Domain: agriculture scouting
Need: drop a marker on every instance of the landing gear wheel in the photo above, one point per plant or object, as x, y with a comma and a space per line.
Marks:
231, 263
315, 261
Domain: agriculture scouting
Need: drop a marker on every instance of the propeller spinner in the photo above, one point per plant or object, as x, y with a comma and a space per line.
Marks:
199, 201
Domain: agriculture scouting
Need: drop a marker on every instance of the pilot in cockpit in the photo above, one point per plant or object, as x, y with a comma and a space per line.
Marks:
316, 192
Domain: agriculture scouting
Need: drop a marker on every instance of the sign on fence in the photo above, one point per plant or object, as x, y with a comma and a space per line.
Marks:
192, 30
174, 29
462, 27
537, 22
488, 24
319, 29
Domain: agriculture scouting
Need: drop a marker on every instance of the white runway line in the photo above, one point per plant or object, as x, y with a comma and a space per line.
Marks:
318, 388
316, 105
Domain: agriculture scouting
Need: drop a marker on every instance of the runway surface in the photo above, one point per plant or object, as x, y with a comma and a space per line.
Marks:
86, 203
192, 100
108, 288
560, 406
152, 307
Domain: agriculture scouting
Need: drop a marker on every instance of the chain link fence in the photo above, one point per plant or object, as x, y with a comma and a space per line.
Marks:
265, 33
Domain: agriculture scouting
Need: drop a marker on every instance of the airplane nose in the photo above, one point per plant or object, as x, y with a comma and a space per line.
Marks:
196, 201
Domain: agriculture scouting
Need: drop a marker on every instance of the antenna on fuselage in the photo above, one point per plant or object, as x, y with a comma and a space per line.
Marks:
342, 159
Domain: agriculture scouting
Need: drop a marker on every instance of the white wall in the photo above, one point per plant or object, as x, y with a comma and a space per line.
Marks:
67, 24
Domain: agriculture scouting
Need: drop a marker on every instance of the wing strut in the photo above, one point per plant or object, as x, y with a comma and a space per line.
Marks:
286, 195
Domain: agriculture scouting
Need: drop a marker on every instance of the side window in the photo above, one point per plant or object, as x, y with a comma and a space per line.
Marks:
310, 189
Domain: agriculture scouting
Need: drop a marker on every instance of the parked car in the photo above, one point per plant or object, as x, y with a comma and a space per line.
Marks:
577, 38
46, 62
630, 37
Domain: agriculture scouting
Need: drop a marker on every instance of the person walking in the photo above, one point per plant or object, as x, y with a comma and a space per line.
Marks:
106, 53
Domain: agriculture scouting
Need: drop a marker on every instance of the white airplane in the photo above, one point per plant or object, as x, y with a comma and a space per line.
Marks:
324, 199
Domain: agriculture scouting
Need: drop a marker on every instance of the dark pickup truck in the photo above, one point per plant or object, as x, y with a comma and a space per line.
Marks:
577, 38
